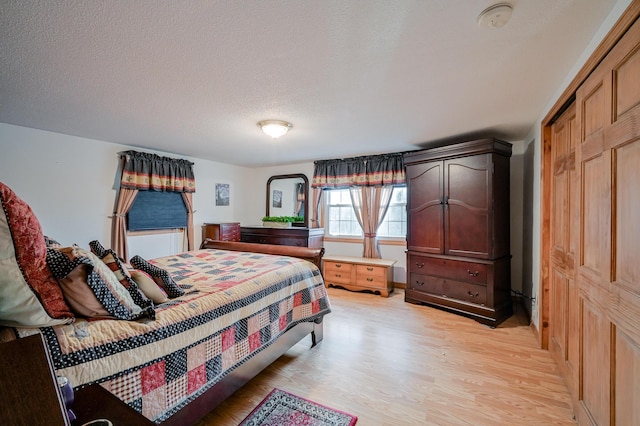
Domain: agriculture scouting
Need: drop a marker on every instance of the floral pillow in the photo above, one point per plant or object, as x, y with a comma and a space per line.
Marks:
29, 294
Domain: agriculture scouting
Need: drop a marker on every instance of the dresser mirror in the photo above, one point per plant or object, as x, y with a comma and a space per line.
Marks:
287, 195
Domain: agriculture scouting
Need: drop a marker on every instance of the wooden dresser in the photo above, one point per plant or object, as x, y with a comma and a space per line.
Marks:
221, 231
458, 229
294, 236
359, 273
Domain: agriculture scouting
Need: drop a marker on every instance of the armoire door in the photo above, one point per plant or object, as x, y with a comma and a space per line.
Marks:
424, 212
467, 206
608, 266
564, 311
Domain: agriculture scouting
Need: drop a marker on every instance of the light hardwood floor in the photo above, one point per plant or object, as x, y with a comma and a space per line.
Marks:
394, 363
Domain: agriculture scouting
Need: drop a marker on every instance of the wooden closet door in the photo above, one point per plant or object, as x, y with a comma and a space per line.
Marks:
608, 112
468, 203
424, 213
564, 308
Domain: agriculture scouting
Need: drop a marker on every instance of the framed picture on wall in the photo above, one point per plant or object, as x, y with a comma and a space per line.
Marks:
222, 194
277, 198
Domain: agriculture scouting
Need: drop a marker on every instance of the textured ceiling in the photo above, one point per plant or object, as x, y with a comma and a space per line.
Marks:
354, 77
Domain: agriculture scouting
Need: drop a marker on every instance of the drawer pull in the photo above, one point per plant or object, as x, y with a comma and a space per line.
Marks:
338, 275
473, 274
369, 279
420, 265
473, 296
419, 282
338, 265
369, 268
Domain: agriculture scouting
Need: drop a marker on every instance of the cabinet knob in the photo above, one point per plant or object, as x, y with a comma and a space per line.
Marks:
420, 265
473, 274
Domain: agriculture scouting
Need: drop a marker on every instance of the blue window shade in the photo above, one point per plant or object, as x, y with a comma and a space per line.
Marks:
157, 210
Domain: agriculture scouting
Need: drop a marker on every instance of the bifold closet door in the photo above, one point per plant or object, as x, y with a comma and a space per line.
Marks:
564, 309
608, 157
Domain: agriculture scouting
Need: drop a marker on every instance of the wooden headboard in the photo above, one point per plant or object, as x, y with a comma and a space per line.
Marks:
313, 255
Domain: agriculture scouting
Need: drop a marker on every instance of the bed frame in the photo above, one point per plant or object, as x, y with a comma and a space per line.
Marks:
233, 381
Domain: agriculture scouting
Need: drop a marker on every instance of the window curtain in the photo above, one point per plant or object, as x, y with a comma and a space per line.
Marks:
188, 201
118, 223
373, 171
370, 204
150, 172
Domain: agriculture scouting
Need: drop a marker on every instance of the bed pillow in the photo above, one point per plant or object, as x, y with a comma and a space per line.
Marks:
110, 258
29, 294
110, 293
148, 286
159, 275
79, 295
51, 243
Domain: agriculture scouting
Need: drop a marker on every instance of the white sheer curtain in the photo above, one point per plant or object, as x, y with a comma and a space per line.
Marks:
370, 204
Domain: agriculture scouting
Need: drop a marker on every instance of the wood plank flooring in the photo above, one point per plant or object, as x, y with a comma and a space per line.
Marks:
394, 363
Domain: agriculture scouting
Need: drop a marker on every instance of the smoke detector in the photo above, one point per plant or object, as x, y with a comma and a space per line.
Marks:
495, 16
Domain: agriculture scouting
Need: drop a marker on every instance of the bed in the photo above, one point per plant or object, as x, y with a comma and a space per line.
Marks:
238, 307
243, 305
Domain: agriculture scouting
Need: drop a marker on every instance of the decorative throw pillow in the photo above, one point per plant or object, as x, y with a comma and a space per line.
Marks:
51, 243
148, 286
110, 258
79, 295
159, 275
114, 298
29, 294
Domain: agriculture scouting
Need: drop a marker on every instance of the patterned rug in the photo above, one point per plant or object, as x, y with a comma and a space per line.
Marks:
281, 408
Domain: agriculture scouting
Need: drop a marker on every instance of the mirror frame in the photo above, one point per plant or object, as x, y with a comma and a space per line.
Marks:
306, 193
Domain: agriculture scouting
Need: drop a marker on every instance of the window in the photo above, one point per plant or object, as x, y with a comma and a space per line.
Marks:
342, 222
157, 210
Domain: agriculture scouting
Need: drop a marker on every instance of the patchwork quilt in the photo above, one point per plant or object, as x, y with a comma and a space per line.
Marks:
235, 304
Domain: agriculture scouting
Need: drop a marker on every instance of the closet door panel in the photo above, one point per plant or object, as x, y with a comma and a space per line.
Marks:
596, 337
627, 409
596, 218
627, 225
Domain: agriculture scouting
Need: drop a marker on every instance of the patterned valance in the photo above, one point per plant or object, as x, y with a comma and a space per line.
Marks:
371, 170
151, 172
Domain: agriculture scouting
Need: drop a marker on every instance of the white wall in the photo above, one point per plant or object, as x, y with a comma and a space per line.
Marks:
535, 138
69, 183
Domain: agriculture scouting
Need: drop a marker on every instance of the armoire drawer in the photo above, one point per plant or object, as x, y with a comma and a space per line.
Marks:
448, 288
475, 273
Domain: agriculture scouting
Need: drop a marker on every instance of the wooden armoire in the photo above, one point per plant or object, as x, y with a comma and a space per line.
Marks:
590, 313
458, 254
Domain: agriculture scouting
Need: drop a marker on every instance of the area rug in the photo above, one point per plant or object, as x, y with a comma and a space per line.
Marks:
281, 408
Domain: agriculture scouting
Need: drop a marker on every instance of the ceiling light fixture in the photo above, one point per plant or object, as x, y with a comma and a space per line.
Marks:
495, 16
274, 128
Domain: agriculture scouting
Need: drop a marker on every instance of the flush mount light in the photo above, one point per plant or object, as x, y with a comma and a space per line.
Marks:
274, 128
495, 16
